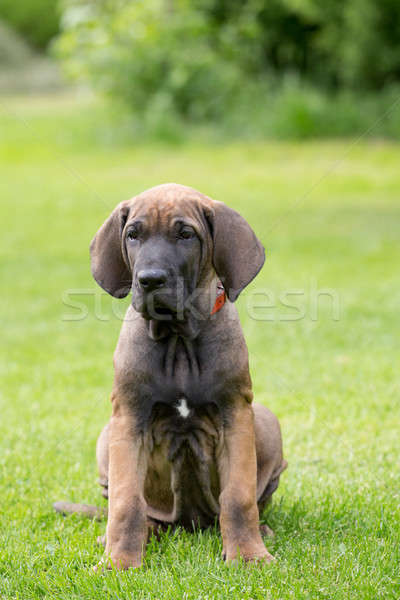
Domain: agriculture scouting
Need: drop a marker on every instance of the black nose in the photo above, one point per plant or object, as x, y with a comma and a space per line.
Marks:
151, 279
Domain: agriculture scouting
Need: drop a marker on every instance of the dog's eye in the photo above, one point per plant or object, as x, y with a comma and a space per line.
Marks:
187, 233
132, 234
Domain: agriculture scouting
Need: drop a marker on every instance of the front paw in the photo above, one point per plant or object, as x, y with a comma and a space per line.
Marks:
266, 531
120, 562
249, 553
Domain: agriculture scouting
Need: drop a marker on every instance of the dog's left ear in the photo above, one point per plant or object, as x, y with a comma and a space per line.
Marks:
237, 254
107, 260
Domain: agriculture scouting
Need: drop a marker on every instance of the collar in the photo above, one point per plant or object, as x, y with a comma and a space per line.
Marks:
220, 299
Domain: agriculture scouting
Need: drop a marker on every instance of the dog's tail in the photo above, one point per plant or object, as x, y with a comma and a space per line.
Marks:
87, 510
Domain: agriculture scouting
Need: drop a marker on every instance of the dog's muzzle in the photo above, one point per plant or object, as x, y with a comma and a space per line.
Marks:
153, 297
152, 279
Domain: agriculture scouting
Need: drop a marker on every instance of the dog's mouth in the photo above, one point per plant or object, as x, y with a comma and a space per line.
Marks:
163, 313
156, 309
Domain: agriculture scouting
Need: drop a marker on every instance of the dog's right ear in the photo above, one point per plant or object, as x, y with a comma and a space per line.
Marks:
107, 260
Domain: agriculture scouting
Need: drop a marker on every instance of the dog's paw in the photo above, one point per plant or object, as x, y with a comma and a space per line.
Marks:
264, 558
250, 560
120, 563
266, 531
248, 554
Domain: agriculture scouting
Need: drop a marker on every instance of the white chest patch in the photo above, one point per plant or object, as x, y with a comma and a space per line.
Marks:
182, 408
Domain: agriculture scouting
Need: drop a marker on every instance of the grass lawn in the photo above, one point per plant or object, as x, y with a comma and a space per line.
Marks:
327, 365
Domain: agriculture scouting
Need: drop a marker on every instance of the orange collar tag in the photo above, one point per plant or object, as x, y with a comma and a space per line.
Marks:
220, 299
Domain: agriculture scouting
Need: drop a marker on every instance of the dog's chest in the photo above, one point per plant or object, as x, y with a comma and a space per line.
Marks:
182, 401
185, 377
181, 378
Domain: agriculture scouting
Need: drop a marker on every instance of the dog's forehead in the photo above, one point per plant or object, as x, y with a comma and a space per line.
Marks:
168, 201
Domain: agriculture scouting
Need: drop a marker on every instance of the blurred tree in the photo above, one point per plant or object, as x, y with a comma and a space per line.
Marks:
36, 20
200, 58
154, 54
370, 56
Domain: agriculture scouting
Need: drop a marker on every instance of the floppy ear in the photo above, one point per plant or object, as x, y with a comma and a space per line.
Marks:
237, 255
107, 261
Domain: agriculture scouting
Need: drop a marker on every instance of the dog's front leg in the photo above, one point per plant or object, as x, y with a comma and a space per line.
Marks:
126, 526
239, 518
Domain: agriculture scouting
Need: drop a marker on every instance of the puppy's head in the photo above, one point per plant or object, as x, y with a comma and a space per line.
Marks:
169, 242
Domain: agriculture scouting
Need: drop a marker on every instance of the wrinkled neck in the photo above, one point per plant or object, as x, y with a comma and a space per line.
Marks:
180, 358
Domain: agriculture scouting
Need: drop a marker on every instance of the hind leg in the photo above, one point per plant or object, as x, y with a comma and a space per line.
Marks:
102, 460
270, 461
102, 465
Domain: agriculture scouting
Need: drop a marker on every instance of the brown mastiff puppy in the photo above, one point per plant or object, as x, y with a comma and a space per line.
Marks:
184, 443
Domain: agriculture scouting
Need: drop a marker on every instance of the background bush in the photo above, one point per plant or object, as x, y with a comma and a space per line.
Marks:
36, 20
233, 61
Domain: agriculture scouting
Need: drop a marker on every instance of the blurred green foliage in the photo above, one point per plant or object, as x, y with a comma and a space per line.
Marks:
36, 20
224, 60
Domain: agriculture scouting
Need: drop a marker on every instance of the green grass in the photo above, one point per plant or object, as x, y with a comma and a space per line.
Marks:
334, 384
